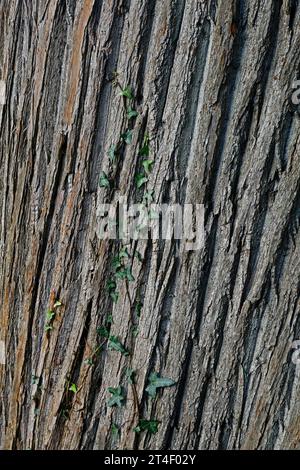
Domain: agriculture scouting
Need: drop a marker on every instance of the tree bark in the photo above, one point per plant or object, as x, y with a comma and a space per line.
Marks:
212, 83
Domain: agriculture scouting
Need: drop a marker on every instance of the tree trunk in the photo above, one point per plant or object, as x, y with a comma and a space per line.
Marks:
212, 82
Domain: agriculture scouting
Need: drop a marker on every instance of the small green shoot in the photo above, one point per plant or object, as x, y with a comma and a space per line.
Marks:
73, 388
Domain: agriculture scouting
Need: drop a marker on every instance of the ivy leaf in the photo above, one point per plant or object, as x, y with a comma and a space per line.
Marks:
89, 361
57, 304
138, 308
123, 253
135, 331
116, 345
103, 331
141, 180
50, 315
153, 215
111, 285
34, 380
131, 113
150, 426
114, 430
73, 388
125, 274
117, 397
145, 149
130, 375
114, 296
148, 197
116, 263
48, 328
127, 136
127, 92
148, 165
112, 152
109, 319
158, 382
103, 180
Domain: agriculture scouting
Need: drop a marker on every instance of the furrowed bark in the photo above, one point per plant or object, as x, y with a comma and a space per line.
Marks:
213, 82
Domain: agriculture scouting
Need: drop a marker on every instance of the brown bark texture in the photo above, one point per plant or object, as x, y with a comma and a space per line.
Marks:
212, 82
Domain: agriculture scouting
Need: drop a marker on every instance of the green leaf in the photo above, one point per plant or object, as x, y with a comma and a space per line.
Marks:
117, 397
116, 345
89, 361
153, 215
114, 296
34, 380
112, 153
127, 136
103, 331
158, 382
48, 328
116, 263
109, 319
123, 253
138, 308
141, 180
131, 113
130, 373
125, 273
148, 197
111, 285
114, 430
127, 92
73, 388
145, 149
135, 331
148, 165
150, 426
50, 315
57, 304
103, 180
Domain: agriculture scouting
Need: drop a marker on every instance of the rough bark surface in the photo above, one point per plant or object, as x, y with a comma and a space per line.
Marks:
213, 84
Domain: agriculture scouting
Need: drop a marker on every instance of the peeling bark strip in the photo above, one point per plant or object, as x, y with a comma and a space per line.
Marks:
212, 83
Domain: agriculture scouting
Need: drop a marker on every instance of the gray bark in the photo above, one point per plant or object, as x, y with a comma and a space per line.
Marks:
212, 82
